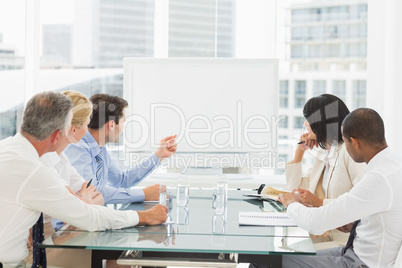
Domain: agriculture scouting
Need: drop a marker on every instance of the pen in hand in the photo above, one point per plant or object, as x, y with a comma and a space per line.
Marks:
302, 142
89, 183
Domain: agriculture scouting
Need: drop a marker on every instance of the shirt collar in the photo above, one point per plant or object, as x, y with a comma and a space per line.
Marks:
51, 159
30, 149
378, 158
91, 143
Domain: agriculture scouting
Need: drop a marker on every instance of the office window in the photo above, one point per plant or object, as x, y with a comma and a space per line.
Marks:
300, 93
298, 122
299, 15
316, 51
284, 87
283, 157
339, 89
312, 32
283, 102
299, 33
12, 65
298, 51
300, 87
283, 94
333, 51
283, 122
359, 94
356, 50
319, 87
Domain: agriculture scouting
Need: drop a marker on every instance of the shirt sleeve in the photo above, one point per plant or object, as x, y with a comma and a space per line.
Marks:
120, 182
371, 195
131, 177
113, 195
43, 193
294, 177
76, 180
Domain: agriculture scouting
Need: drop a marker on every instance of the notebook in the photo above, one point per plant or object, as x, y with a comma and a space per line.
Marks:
265, 219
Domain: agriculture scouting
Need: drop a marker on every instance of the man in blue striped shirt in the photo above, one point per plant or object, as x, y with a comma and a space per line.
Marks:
92, 160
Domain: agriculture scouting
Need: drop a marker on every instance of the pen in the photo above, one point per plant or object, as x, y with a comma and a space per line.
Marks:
89, 183
302, 142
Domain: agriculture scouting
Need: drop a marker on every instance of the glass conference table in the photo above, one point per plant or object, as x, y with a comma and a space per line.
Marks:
194, 235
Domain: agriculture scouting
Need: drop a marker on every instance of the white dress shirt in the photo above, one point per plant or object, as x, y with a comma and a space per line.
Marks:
328, 161
66, 171
27, 188
376, 200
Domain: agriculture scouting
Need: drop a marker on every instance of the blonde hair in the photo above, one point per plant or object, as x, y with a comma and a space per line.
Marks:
82, 107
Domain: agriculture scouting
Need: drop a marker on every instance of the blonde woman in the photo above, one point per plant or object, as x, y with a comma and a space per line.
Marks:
76, 184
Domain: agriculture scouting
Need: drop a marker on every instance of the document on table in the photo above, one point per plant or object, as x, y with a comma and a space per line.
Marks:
265, 219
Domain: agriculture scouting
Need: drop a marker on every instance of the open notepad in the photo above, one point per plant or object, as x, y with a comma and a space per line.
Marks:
265, 219
269, 193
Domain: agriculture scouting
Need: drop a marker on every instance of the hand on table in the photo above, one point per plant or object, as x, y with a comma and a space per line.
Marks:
151, 192
289, 198
309, 198
153, 216
89, 192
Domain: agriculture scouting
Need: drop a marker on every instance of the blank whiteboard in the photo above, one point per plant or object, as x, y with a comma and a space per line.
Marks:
213, 105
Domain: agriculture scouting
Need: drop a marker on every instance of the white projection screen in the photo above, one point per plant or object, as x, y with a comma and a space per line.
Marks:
217, 106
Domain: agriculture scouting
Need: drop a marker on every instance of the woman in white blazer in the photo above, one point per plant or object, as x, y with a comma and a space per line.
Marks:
334, 172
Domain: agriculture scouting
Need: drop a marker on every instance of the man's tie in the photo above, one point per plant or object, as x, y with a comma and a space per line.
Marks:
39, 254
351, 238
99, 167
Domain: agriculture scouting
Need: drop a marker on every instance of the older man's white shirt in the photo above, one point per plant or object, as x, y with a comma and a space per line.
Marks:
27, 188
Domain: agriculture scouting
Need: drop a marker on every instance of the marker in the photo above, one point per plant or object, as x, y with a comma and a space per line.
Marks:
302, 142
89, 183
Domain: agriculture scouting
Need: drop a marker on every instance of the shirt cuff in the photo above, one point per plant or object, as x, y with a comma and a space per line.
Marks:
155, 160
133, 218
136, 195
292, 209
327, 201
292, 165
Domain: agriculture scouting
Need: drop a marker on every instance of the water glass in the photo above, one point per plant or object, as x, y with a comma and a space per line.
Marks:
182, 216
165, 195
218, 224
220, 195
182, 196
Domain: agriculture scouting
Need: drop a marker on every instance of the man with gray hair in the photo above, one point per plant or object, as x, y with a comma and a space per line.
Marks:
28, 188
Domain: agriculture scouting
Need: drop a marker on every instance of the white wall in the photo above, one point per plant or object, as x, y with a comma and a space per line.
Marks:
82, 41
254, 19
384, 92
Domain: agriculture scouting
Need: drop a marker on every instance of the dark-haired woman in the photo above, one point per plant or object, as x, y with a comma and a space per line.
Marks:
334, 172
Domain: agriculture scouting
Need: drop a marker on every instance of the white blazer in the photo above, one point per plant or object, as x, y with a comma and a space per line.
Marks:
343, 174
